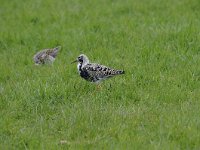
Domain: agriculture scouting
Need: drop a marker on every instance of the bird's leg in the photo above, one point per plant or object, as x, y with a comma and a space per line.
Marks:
98, 87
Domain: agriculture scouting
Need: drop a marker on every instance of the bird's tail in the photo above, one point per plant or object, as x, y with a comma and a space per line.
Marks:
55, 51
120, 72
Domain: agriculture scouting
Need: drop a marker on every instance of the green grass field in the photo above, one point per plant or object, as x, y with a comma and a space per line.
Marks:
155, 105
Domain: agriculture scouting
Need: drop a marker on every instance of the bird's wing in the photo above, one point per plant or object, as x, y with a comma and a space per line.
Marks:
99, 71
39, 55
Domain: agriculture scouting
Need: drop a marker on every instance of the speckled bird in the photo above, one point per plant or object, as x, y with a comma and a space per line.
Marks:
46, 56
94, 72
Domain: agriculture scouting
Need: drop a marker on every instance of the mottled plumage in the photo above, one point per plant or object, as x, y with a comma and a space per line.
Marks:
94, 72
46, 56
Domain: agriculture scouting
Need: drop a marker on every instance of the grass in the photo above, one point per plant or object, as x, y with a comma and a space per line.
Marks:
155, 105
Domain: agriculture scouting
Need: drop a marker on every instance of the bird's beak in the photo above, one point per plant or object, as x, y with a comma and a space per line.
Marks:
74, 61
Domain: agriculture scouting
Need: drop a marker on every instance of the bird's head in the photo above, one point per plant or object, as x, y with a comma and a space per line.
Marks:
82, 59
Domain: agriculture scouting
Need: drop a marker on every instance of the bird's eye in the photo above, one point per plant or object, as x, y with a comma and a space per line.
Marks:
79, 58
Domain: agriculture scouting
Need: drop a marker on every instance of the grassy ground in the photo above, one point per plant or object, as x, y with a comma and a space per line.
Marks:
155, 105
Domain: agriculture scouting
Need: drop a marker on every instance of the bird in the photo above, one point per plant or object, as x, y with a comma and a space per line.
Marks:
46, 56
94, 72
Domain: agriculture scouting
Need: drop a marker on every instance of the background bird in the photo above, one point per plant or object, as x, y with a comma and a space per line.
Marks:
46, 56
94, 72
